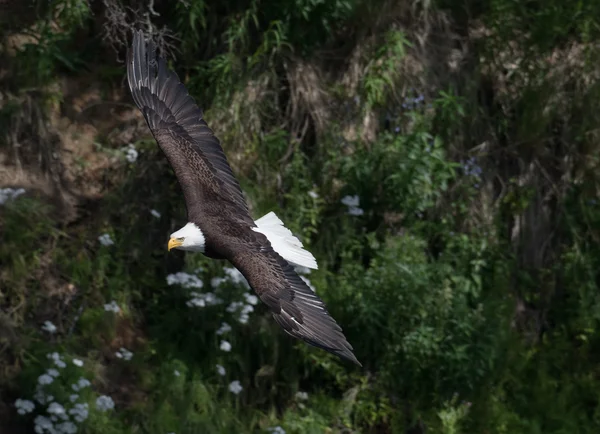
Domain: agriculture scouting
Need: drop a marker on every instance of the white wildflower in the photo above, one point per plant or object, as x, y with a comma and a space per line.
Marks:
313, 194
301, 396
105, 240
310, 285
234, 306
185, 279
7, 194
211, 299
74, 397
243, 313
78, 362
66, 428
225, 328
56, 409
124, 354
221, 370
42, 423
40, 395
235, 387
131, 154
195, 302
82, 383
215, 282
80, 412
176, 373
104, 403
251, 299
276, 430
201, 300
155, 213
24, 406
45, 379
57, 359
225, 346
351, 201
112, 307
53, 372
355, 211
49, 327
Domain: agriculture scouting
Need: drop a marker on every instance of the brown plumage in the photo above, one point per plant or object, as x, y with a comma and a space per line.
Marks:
216, 205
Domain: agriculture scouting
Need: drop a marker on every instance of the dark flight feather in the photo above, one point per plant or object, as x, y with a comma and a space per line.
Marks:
176, 123
295, 307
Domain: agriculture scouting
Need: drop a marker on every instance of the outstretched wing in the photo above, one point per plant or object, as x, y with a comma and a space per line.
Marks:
177, 125
293, 304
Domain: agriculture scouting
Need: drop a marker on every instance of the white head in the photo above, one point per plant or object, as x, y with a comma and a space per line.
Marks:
189, 237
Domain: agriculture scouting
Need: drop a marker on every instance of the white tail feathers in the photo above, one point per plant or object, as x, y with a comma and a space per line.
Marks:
284, 242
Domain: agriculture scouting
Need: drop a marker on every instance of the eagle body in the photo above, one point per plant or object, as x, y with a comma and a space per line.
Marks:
219, 222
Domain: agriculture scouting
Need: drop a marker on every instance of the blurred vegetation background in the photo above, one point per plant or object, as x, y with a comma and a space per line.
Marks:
439, 158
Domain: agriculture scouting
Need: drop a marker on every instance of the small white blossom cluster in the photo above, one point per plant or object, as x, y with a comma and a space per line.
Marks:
313, 194
49, 327
131, 154
58, 360
105, 240
45, 424
301, 396
59, 418
81, 384
80, 411
225, 328
225, 346
235, 387
353, 202
203, 299
112, 307
124, 354
276, 430
185, 280
24, 406
243, 310
104, 403
7, 194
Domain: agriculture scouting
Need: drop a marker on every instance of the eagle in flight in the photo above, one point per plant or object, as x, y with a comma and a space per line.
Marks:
219, 222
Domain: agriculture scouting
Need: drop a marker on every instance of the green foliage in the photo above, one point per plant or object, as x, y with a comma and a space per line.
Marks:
38, 61
466, 315
382, 71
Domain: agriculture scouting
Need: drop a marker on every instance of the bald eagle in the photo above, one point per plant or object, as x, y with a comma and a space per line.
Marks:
219, 222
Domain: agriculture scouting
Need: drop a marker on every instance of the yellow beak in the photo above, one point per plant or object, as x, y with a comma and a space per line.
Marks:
174, 242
